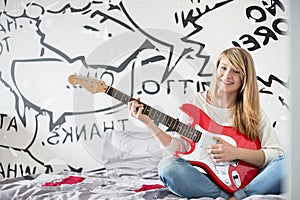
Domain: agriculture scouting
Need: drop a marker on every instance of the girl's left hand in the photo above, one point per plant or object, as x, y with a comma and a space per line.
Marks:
222, 151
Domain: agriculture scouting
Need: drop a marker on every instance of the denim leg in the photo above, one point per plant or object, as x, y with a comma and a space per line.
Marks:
268, 181
184, 180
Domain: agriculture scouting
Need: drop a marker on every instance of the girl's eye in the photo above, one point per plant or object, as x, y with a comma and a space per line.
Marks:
236, 71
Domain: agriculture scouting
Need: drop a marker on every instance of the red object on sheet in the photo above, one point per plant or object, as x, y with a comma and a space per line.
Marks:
149, 187
68, 180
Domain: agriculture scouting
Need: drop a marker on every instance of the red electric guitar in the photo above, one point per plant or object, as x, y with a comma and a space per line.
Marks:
230, 176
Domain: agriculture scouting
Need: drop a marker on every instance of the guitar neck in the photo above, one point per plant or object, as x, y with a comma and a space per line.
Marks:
174, 124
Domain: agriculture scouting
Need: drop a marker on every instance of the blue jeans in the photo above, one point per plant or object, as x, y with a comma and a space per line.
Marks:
184, 180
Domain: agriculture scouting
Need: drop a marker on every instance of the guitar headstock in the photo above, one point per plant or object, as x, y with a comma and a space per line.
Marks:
91, 84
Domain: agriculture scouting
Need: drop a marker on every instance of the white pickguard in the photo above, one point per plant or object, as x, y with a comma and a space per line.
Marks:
221, 169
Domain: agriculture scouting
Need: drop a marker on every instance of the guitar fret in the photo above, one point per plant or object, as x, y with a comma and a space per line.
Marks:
184, 131
160, 116
187, 131
179, 127
169, 122
118, 94
192, 133
152, 113
198, 136
176, 125
107, 91
111, 91
125, 99
155, 114
163, 121
146, 110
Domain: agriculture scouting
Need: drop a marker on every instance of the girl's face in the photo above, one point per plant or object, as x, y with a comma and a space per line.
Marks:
228, 78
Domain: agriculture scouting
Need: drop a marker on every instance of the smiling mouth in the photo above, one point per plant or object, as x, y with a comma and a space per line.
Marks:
227, 82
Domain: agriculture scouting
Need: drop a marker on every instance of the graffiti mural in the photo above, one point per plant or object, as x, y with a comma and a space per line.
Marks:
161, 51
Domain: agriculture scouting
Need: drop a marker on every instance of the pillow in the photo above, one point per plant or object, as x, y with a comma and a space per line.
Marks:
130, 149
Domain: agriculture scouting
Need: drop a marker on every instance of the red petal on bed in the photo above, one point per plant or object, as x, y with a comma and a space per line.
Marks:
68, 180
149, 187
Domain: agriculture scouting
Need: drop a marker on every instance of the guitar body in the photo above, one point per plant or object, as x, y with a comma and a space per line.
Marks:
230, 176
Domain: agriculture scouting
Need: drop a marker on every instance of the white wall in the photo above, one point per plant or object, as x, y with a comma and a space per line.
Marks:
294, 161
141, 48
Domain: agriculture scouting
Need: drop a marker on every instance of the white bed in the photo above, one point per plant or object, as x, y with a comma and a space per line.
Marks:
130, 159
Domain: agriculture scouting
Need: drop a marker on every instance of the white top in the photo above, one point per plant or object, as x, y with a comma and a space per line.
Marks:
268, 137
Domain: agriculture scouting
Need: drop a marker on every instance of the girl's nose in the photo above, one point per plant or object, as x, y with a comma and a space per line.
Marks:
227, 73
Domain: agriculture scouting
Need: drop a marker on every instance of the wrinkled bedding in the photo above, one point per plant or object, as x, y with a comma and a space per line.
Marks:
107, 184
130, 158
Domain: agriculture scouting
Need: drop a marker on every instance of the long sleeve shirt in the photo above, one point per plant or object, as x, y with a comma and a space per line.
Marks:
267, 135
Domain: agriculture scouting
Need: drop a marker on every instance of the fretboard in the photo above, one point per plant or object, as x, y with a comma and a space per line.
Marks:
174, 124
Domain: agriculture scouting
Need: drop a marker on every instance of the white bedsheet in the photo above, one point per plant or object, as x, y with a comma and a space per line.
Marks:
104, 185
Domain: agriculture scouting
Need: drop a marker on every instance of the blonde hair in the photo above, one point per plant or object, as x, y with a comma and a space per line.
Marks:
247, 117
